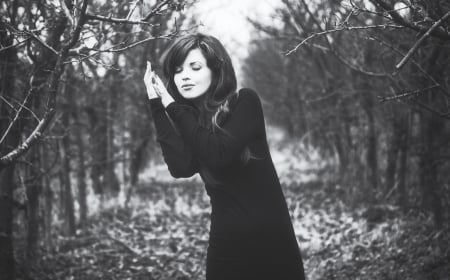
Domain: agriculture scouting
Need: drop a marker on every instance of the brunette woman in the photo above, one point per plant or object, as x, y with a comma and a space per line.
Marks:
204, 125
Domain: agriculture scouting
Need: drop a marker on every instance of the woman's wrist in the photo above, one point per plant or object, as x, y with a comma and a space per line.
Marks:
166, 99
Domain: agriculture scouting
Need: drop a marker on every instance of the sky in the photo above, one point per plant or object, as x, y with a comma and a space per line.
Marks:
227, 20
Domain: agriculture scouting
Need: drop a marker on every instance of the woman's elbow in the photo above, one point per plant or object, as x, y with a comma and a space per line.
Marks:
181, 173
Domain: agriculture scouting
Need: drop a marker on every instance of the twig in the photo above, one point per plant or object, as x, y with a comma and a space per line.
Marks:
16, 117
32, 138
42, 42
118, 20
112, 50
415, 63
420, 41
428, 108
133, 8
120, 242
341, 28
396, 17
79, 27
155, 10
383, 99
67, 11
14, 45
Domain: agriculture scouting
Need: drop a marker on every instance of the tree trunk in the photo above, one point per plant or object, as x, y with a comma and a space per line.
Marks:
33, 190
48, 202
392, 153
7, 263
431, 129
81, 179
111, 182
74, 108
403, 161
67, 197
8, 62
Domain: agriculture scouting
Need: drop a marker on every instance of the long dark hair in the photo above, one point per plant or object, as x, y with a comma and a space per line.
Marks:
216, 102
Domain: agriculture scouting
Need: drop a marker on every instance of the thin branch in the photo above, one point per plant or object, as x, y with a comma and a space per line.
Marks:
420, 41
156, 10
348, 63
118, 20
44, 44
31, 139
16, 117
342, 28
415, 63
396, 17
14, 45
7, 102
133, 8
67, 11
76, 33
113, 50
434, 111
407, 94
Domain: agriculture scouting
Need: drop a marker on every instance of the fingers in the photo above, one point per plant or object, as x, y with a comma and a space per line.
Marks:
159, 85
148, 73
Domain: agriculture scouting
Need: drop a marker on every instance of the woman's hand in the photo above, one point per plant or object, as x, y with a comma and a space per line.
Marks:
155, 87
149, 81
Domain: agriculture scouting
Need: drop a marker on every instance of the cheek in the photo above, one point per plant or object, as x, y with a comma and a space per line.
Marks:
176, 80
207, 79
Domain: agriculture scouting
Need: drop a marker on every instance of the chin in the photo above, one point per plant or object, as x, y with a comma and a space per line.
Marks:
189, 95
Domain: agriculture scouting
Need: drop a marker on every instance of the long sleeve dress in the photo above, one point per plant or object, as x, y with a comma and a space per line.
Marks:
251, 234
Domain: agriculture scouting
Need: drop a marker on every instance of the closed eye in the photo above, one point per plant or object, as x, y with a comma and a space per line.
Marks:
196, 66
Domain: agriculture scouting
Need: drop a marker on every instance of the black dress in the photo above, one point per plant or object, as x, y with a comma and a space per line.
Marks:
251, 234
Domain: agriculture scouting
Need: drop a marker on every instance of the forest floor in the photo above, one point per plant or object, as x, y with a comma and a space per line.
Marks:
163, 233
164, 236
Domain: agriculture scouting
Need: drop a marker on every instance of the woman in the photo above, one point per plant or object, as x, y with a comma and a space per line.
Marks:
203, 125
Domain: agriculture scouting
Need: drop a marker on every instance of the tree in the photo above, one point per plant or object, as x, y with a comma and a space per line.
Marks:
46, 37
347, 53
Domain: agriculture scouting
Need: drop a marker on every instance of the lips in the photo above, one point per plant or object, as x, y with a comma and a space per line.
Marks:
187, 86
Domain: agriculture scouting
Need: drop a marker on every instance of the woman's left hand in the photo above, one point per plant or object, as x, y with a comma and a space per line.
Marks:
161, 90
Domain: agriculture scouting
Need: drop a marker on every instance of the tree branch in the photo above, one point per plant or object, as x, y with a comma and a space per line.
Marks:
441, 87
396, 17
407, 94
76, 33
16, 117
31, 139
156, 10
112, 49
118, 20
14, 45
420, 41
44, 44
342, 28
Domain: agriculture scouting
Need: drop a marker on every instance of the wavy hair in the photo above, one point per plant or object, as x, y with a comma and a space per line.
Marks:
216, 103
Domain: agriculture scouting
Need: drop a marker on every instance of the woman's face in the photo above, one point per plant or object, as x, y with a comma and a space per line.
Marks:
193, 77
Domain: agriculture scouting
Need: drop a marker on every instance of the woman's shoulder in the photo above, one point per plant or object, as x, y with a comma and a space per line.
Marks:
245, 102
247, 96
248, 93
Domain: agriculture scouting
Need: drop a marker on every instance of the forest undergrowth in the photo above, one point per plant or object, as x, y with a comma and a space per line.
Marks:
163, 235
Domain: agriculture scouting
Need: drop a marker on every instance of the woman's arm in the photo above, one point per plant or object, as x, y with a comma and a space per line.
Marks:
177, 155
218, 149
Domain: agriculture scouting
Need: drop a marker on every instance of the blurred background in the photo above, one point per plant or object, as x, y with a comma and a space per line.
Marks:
356, 101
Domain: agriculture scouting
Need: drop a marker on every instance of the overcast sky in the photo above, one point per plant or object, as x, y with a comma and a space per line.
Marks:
226, 20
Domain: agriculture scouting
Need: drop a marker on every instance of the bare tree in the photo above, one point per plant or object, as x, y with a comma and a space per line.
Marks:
45, 37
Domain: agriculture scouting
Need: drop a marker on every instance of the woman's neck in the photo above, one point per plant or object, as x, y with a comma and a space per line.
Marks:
198, 102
